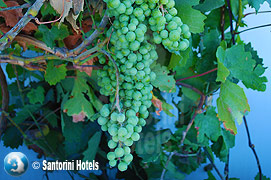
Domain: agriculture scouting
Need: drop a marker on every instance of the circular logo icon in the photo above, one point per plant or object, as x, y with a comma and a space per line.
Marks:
15, 163
36, 165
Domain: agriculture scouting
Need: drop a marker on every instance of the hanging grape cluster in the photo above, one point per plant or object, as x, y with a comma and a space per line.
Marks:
133, 48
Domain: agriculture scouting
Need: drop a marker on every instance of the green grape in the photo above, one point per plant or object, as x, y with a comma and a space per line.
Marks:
128, 142
139, 32
127, 150
135, 136
132, 27
122, 131
142, 122
132, 71
164, 34
164, 1
133, 120
102, 120
172, 26
130, 113
121, 118
157, 39
112, 144
137, 95
104, 111
113, 131
114, 116
183, 45
174, 35
113, 3
170, 4
115, 139
134, 46
112, 163
138, 12
125, 31
104, 128
111, 156
119, 152
140, 66
130, 128
128, 64
135, 21
187, 35
138, 129
130, 36
128, 158
122, 166
129, 11
121, 9
173, 12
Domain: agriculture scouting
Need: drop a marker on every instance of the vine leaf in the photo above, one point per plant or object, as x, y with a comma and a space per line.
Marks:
232, 105
36, 95
209, 5
24, 113
49, 36
2, 4
256, 3
192, 17
78, 104
93, 145
12, 138
163, 81
263, 177
55, 74
241, 66
208, 125
223, 144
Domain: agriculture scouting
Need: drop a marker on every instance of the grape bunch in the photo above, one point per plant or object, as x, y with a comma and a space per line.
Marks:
133, 49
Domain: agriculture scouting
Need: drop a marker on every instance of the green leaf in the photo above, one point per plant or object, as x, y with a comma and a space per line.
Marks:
243, 67
249, 48
78, 103
49, 36
223, 144
179, 60
263, 177
149, 147
36, 95
209, 5
192, 17
93, 145
256, 3
208, 125
222, 71
166, 108
12, 138
2, 4
163, 81
210, 176
232, 105
55, 74
24, 113
47, 9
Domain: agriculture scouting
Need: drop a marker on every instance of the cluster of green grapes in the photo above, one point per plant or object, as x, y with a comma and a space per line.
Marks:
132, 49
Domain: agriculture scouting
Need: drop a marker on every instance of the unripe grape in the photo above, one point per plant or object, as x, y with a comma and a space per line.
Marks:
138, 12
173, 11
102, 120
130, 36
127, 150
114, 116
121, 118
119, 152
113, 3
105, 111
122, 166
122, 131
134, 46
121, 8
111, 156
135, 136
112, 163
128, 142
112, 144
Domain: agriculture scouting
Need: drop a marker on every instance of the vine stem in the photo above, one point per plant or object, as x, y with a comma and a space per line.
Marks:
117, 99
199, 75
198, 110
245, 15
257, 27
231, 25
252, 146
26, 5
212, 162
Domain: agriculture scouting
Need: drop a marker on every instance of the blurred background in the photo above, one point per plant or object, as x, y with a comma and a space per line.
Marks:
242, 162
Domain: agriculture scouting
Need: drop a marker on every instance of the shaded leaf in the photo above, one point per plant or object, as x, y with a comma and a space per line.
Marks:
256, 3
209, 5
36, 95
93, 145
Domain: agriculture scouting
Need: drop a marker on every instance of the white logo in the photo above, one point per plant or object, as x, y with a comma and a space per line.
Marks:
36, 165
